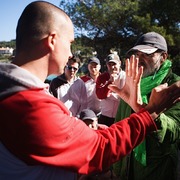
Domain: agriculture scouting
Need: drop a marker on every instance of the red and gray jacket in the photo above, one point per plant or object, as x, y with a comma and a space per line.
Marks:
40, 140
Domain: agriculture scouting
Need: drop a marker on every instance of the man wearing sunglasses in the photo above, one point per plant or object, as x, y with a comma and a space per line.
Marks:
156, 157
69, 88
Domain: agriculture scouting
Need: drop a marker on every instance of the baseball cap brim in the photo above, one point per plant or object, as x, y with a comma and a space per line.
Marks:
88, 114
144, 48
89, 118
113, 60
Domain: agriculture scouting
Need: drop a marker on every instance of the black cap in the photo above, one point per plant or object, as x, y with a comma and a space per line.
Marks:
149, 43
88, 114
113, 58
94, 59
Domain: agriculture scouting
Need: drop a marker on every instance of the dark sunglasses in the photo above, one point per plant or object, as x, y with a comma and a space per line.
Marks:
70, 68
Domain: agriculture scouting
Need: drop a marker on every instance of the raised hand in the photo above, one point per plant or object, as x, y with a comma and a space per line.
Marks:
130, 93
163, 97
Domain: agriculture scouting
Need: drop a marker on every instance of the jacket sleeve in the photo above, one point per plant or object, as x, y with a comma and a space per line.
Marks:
169, 125
169, 121
42, 132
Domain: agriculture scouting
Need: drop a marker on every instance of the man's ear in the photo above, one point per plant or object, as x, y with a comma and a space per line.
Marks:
164, 57
52, 39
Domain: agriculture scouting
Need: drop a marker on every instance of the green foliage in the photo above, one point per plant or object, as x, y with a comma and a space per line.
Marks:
117, 24
102, 25
10, 44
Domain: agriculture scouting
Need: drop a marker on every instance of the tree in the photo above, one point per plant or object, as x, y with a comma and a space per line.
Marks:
10, 44
104, 22
118, 23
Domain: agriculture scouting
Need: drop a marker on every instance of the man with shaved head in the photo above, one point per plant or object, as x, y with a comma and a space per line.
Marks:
39, 24
38, 137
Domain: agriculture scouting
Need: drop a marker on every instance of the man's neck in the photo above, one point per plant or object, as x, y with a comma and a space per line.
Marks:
70, 79
94, 77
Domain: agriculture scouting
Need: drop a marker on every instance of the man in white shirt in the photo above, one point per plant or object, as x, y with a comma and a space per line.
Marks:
93, 101
69, 88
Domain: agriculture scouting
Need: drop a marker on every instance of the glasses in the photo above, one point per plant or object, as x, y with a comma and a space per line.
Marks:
71, 67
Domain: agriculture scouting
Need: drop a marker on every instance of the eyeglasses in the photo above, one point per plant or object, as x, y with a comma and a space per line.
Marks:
71, 67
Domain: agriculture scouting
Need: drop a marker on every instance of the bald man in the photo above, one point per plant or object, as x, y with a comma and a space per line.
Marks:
38, 137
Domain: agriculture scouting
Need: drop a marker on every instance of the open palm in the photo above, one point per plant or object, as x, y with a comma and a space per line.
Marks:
131, 93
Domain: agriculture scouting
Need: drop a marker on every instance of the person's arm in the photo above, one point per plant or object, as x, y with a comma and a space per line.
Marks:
47, 135
102, 83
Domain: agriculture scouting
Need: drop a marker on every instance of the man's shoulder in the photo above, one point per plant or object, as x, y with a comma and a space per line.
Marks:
59, 80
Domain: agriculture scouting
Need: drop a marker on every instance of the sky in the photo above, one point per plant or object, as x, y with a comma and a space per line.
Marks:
10, 11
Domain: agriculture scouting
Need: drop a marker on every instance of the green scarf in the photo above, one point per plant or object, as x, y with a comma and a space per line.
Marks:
147, 84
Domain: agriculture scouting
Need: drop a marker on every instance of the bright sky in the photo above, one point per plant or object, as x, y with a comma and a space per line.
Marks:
10, 11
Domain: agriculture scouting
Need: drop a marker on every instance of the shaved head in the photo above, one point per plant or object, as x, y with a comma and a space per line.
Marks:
43, 39
38, 19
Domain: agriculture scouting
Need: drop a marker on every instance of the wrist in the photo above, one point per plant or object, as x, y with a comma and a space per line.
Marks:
154, 116
152, 112
138, 107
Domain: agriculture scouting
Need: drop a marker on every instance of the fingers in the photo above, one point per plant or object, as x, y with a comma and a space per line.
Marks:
163, 97
132, 68
175, 87
177, 100
114, 88
127, 67
140, 73
161, 87
174, 91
